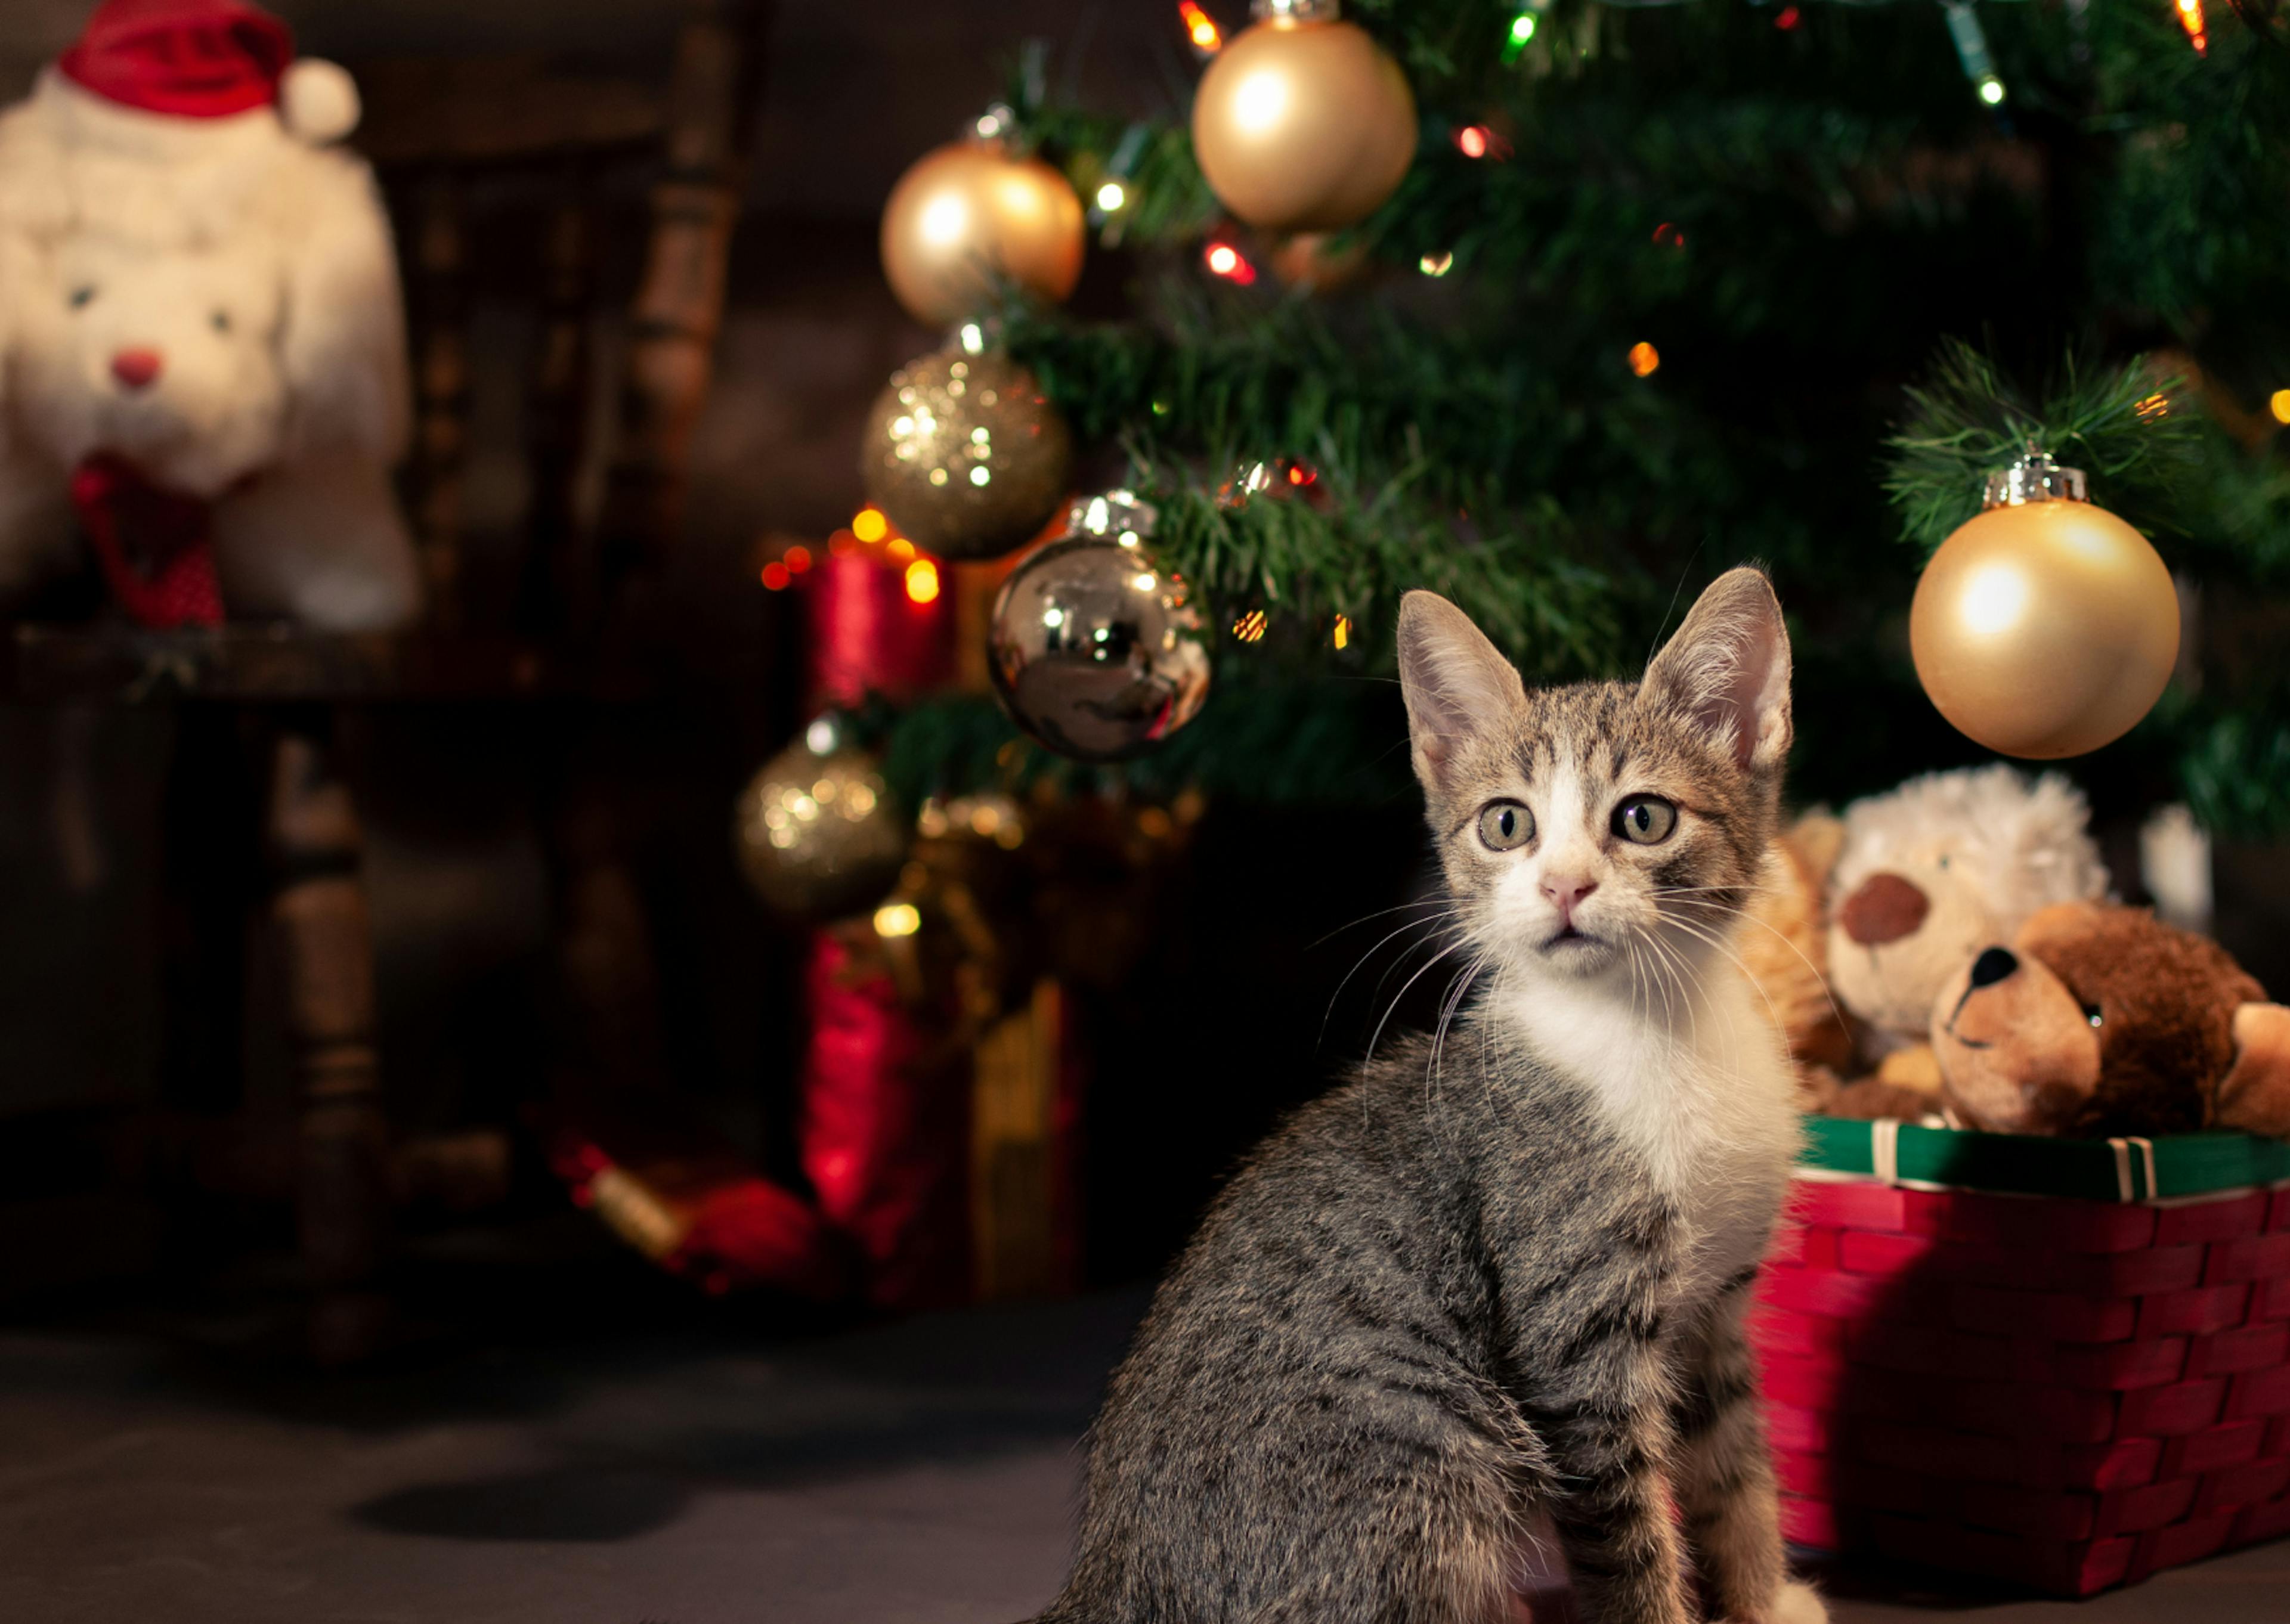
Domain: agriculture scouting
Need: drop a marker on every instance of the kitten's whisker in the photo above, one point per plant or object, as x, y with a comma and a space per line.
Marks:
1361, 963
1380, 913
1447, 1009
1393, 1008
1820, 978
1699, 934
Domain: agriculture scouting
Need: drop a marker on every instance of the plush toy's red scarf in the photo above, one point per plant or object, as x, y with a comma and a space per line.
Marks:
154, 545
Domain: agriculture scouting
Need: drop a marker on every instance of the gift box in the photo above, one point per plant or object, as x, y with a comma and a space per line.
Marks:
2060, 1363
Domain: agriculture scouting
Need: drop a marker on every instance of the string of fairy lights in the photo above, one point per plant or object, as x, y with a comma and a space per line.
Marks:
997, 483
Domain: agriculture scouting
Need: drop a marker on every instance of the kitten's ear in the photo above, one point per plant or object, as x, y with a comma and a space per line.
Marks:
1458, 685
1729, 668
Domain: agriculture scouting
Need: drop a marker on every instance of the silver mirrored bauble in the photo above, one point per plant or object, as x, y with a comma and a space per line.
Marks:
1094, 650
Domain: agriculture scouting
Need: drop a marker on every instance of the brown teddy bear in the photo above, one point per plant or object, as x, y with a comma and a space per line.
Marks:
2101, 1020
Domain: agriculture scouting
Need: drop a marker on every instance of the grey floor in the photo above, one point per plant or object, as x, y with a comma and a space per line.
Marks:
920, 1473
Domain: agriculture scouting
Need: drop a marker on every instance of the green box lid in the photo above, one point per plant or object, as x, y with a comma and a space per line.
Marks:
2175, 1165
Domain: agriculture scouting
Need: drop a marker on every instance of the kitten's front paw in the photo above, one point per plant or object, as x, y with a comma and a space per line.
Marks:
1798, 1603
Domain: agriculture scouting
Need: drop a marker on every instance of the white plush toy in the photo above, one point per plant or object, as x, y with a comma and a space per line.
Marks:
206, 344
1928, 874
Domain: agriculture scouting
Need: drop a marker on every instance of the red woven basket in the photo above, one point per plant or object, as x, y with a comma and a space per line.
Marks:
2065, 1392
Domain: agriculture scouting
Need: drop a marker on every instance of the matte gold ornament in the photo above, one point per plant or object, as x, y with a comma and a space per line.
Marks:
2046, 627
1304, 122
969, 212
1094, 650
965, 453
816, 832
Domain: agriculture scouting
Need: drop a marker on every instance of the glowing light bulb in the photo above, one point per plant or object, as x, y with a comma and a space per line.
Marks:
2279, 404
1200, 28
1342, 634
1644, 358
1991, 90
898, 919
868, 524
797, 559
1110, 196
1223, 259
2190, 18
1472, 138
1522, 30
1436, 264
775, 576
922, 581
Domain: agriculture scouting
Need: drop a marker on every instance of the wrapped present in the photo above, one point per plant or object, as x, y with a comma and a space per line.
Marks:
2060, 1363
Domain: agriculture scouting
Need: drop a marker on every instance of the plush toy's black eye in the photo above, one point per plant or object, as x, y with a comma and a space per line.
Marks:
80, 296
220, 321
1644, 820
1505, 825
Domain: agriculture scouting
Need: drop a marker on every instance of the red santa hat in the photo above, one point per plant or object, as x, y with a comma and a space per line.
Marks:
207, 59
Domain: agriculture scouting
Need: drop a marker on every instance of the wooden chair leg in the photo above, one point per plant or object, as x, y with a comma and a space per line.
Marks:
319, 908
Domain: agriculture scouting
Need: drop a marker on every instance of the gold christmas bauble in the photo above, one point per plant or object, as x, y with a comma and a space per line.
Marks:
1303, 123
970, 212
965, 454
2045, 629
817, 833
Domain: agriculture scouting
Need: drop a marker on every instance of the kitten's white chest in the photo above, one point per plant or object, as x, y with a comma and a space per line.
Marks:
1705, 1096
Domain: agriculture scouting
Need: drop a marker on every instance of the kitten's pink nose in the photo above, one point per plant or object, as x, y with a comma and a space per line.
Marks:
136, 368
1567, 895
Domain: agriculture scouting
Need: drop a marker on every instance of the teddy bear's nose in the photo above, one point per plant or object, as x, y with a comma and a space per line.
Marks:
136, 368
1992, 966
1883, 908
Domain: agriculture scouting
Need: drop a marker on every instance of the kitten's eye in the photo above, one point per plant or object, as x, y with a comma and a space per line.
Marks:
220, 321
1646, 820
2092, 1013
1505, 825
80, 296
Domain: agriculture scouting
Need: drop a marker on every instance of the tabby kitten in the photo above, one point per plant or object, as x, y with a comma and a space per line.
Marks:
1503, 1273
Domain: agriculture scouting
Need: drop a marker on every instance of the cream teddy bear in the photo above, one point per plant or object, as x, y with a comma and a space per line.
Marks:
205, 317
1926, 876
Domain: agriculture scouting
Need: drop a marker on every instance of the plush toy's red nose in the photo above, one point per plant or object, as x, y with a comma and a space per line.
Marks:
136, 368
1883, 908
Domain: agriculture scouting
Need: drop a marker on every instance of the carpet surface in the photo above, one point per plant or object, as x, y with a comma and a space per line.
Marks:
918, 1473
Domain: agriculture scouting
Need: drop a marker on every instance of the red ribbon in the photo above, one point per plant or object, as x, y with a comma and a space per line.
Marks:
155, 547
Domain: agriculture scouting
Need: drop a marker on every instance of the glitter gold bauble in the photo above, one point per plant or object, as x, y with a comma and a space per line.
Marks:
1094, 650
816, 832
965, 454
2045, 627
1304, 122
970, 212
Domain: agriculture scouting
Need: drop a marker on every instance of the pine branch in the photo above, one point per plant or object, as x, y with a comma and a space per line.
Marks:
1969, 420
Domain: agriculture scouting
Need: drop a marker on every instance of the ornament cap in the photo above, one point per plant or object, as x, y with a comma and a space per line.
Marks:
1121, 514
2035, 477
1296, 11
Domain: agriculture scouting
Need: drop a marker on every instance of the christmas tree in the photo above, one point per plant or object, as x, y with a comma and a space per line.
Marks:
1663, 289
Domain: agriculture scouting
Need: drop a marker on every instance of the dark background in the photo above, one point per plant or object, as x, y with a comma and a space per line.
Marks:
1226, 1024
1199, 1051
